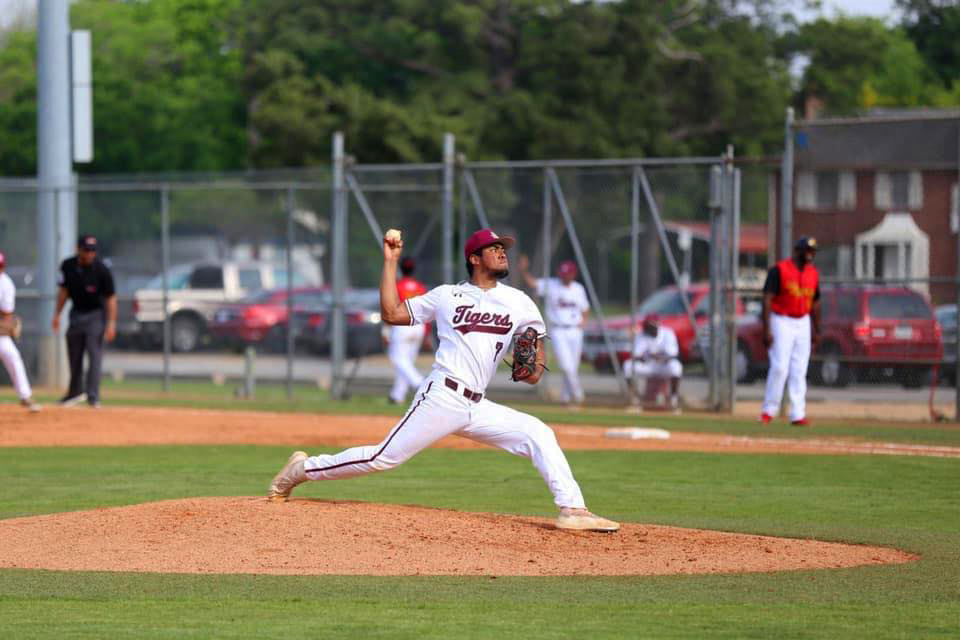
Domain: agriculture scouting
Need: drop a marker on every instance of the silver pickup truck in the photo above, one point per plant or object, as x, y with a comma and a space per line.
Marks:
194, 292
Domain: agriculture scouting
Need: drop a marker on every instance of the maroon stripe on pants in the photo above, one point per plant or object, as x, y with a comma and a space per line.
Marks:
385, 444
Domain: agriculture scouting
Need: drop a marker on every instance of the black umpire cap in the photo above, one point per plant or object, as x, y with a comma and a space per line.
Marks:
87, 242
806, 243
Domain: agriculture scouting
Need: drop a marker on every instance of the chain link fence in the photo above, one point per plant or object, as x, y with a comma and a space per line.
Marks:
275, 275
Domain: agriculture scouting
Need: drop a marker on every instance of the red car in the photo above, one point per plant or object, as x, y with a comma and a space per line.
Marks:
261, 318
667, 303
866, 332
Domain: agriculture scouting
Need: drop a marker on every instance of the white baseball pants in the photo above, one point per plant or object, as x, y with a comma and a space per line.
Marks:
403, 349
789, 356
14, 365
438, 411
567, 346
653, 369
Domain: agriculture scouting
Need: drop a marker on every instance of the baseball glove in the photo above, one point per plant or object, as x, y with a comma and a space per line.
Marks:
524, 354
10, 325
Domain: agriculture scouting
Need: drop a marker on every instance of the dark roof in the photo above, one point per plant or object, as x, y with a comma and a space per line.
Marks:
913, 140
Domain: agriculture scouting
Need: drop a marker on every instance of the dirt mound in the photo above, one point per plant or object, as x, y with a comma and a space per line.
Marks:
312, 537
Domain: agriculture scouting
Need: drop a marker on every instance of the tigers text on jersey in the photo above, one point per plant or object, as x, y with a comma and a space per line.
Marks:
565, 304
475, 326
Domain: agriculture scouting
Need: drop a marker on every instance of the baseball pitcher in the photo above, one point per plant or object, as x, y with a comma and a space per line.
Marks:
477, 320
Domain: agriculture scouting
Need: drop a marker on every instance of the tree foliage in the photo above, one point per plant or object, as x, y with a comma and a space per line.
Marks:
208, 85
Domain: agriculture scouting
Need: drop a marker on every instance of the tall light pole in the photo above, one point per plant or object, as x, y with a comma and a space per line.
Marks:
54, 170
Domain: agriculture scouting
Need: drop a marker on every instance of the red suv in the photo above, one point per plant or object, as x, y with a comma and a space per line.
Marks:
866, 332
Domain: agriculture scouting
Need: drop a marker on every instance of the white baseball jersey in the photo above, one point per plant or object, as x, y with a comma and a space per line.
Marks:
662, 344
475, 327
8, 293
565, 304
9, 354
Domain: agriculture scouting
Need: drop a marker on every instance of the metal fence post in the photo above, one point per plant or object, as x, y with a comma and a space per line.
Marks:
462, 218
290, 328
733, 295
164, 276
634, 268
547, 226
338, 260
786, 188
713, 348
448, 169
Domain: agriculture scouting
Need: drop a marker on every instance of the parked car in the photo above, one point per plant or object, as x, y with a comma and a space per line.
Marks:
195, 292
947, 319
362, 314
866, 333
260, 319
667, 304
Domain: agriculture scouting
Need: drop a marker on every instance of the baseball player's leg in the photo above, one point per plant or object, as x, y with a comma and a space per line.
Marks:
76, 340
94, 347
573, 344
403, 349
779, 355
14, 366
434, 413
799, 360
524, 435
399, 389
563, 347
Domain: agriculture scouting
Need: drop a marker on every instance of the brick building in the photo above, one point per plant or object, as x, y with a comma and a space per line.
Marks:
880, 195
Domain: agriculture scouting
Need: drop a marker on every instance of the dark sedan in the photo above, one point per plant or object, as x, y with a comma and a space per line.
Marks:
362, 312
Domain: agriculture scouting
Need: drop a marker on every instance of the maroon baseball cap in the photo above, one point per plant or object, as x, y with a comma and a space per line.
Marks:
652, 318
485, 238
3, 259
567, 268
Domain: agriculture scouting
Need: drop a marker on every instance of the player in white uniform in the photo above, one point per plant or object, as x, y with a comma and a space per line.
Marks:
568, 309
476, 321
656, 354
8, 348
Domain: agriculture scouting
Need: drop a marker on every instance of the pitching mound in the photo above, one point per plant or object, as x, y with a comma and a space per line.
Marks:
312, 537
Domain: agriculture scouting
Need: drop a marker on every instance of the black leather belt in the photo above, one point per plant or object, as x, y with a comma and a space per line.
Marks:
469, 395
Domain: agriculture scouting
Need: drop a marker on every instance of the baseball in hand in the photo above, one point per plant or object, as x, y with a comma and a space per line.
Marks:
392, 237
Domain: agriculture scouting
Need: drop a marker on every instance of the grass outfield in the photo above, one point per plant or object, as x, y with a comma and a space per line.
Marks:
904, 502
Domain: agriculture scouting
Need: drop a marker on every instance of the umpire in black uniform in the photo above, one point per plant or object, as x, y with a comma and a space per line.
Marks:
93, 318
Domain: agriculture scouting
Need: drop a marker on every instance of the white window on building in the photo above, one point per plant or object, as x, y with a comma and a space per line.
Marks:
894, 249
826, 190
835, 261
898, 190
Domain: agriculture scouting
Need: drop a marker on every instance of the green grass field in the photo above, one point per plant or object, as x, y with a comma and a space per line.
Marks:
904, 502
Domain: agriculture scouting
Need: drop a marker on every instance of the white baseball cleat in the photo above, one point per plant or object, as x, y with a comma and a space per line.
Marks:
289, 477
583, 520
29, 405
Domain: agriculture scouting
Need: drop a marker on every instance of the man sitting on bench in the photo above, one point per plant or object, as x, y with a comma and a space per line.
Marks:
655, 357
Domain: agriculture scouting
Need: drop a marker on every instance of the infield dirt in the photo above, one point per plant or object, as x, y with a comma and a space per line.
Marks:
304, 536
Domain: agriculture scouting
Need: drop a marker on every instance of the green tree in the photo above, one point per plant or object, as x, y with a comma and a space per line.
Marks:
858, 63
934, 27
